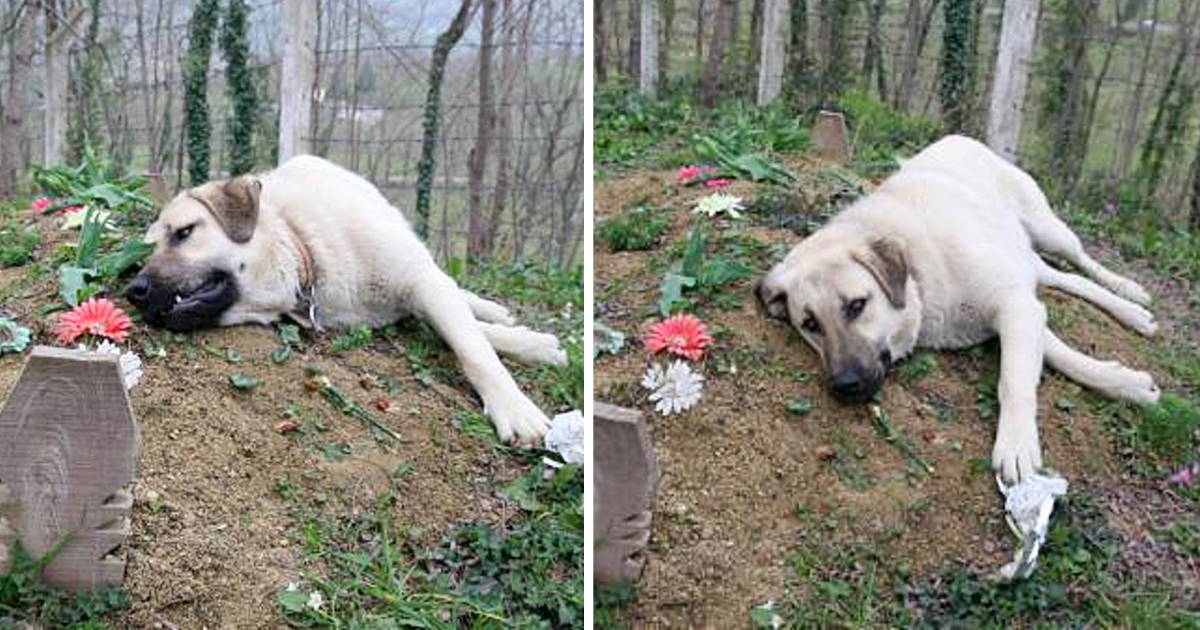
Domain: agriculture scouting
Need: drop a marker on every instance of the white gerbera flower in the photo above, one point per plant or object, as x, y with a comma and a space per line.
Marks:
293, 587
131, 363
675, 389
717, 203
315, 601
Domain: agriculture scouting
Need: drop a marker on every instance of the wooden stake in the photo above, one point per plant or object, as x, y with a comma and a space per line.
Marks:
626, 478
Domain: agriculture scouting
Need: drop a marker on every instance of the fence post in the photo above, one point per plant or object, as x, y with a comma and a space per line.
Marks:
648, 64
1017, 33
54, 113
297, 77
770, 64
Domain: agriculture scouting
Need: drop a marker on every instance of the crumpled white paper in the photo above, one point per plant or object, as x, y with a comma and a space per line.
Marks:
566, 436
1028, 506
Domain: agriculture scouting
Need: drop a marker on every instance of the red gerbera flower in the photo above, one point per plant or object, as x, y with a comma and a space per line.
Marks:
716, 184
688, 173
683, 335
69, 210
100, 317
39, 205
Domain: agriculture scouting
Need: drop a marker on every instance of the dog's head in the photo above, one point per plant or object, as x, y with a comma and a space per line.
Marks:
202, 245
852, 301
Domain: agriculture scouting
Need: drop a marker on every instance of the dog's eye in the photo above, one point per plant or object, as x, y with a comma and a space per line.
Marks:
855, 308
811, 325
183, 233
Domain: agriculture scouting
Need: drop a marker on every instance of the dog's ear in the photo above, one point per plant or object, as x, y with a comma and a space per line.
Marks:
235, 205
772, 293
884, 258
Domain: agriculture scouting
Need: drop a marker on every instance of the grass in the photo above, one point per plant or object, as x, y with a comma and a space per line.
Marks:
25, 599
373, 573
636, 229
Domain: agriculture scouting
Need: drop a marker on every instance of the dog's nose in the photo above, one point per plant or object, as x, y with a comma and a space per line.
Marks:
138, 291
846, 385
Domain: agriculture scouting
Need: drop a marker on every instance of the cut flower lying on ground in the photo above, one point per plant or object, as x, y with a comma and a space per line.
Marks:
675, 389
682, 335
719, 203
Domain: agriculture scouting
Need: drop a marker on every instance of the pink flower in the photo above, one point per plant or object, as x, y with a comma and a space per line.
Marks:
717, 184
1186, 476
100, 317
69, 210
689, 174
683, 335
39, 205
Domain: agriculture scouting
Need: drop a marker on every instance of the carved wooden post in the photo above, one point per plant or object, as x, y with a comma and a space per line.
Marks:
297, 77
68, 446
626, 478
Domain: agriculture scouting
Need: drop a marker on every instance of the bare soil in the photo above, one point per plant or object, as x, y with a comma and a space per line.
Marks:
212, 539
743, 483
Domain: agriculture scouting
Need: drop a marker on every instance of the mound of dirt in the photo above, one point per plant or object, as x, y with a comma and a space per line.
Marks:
212, 540
745, 480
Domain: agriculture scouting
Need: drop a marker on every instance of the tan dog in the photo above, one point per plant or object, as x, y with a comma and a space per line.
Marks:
942, 255
321, 245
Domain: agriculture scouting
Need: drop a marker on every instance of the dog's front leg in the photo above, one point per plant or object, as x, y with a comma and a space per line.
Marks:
1020, 322
438, 300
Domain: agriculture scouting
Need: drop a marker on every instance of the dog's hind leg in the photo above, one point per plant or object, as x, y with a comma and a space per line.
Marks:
487, 310
1050, 235
1107, 377
1126, 312
524, 345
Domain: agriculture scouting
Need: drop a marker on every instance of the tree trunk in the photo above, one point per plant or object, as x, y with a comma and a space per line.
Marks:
956, 75
667, 12
1194, 211
20, 48
504, 120
916, 30
837, 17
1131, 121
799, 64
701, 12
634, 61
479, 233
754, 50
873, 51
432, 116
599, 42
722, 36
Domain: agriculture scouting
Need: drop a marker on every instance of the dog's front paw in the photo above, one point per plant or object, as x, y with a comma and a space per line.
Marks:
1017, 454
518, 421
545, 348
1138, 387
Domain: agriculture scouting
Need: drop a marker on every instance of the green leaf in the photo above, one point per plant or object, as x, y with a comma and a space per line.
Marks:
281, 354
131, 254
74, 283
723, 271
799, 407
693, 254
671, 291
293, 601
243, 382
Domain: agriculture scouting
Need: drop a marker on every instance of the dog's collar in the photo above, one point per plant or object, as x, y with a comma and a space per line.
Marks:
306, 291
305, 259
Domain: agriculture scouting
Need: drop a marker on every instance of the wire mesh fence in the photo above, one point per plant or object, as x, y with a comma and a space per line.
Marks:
372, 60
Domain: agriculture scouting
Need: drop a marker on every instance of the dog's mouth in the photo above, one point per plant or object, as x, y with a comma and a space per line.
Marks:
200, 307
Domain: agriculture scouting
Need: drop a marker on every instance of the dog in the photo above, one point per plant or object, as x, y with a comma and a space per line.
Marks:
945, 254
318, 244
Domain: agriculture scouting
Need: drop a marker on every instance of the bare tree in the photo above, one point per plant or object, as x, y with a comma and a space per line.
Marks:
723, 34
20, 49
479, 233
917, 21
433, 112
599, 41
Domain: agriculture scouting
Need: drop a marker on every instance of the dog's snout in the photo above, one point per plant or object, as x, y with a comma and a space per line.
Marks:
138, 291
847, 385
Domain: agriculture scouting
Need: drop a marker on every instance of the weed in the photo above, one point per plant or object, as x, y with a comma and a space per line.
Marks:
1166, 434
17, 245
880, 134
24, 598
610, 601
918, 367
357, 337
243, 382
636, 229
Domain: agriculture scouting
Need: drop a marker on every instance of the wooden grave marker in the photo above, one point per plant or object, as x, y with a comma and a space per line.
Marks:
68, 447
626, 478
830, 137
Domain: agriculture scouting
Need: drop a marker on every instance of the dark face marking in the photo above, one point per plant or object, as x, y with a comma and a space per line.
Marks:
163, 304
